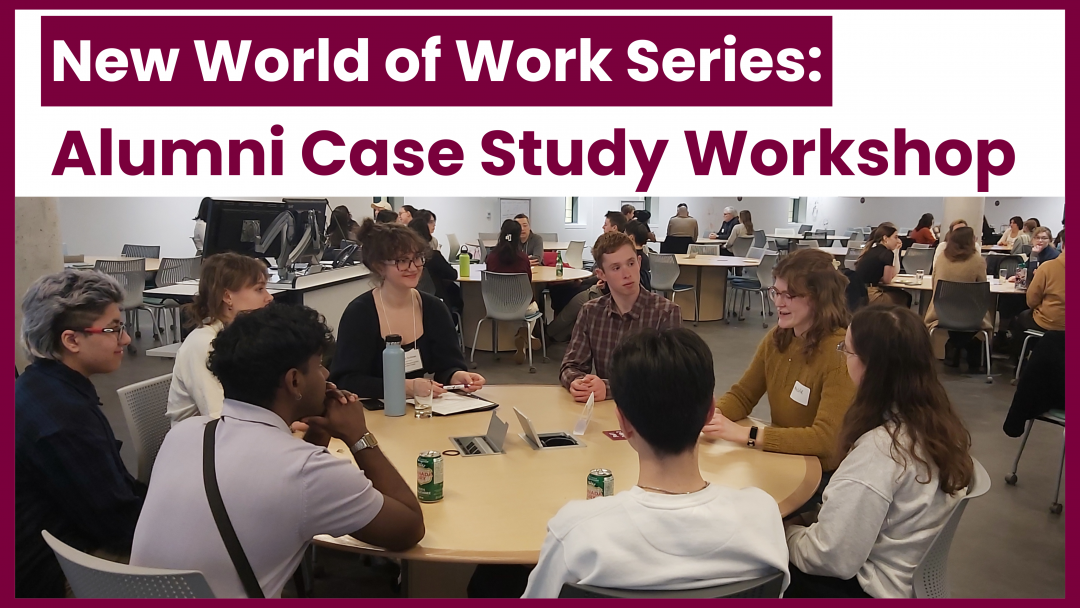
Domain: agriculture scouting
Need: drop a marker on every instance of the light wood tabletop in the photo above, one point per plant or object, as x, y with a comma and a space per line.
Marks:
906, 281
715, 261
496, 508
997, 248
152, 264
548, 245
540, 274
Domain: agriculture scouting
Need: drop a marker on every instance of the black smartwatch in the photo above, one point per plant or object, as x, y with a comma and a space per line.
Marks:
752, 441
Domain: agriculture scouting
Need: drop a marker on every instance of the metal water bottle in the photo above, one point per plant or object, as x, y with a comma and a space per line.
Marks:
393, 362
463, 263
558, 266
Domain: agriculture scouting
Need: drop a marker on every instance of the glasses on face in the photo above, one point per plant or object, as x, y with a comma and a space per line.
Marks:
786, 296
118, 330
842, 348
403, 264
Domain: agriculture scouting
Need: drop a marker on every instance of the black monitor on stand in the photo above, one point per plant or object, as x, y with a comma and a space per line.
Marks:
286, 231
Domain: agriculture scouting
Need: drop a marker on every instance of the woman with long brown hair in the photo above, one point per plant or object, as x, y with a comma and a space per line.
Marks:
940, 249
796, 365
907, 462
229, 283
961, 263
744, 229
879, 263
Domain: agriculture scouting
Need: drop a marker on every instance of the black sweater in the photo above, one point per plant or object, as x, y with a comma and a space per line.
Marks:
357, 364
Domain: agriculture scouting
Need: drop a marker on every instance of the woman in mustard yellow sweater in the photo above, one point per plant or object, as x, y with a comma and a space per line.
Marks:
797, 366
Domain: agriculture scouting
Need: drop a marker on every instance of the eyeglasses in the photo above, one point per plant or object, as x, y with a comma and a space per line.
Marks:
842, 348
403, 265
120, 330
775, 295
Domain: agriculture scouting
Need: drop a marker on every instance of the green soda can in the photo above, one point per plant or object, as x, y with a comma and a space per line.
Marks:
429, 477
600, 482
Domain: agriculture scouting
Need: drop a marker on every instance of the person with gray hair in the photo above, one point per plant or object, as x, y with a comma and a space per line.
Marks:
69, 478
731, 219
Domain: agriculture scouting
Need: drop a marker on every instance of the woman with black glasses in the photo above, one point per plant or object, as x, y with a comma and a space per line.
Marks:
396, 256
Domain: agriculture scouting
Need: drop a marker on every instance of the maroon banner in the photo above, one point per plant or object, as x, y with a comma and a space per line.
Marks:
436, 61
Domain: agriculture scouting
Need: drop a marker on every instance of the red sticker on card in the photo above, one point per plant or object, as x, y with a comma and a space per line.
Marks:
615, 435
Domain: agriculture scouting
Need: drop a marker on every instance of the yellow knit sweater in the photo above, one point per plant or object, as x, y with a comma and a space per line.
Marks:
809, 429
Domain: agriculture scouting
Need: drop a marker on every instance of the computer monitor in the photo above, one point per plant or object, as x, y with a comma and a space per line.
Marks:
248, 227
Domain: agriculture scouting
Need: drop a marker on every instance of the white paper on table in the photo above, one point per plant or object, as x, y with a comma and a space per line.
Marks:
586, 415
453, 403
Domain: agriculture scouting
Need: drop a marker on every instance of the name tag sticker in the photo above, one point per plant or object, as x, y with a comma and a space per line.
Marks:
800, 394
413, 362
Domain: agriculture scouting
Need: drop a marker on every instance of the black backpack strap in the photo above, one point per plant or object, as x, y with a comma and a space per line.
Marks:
221, 516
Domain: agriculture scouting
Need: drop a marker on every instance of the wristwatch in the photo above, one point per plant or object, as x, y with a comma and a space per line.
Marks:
367, 441
752, 441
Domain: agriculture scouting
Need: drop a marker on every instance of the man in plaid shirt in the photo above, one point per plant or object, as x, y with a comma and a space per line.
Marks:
604, 322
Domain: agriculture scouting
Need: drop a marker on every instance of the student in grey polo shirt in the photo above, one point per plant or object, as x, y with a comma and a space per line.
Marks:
279, 490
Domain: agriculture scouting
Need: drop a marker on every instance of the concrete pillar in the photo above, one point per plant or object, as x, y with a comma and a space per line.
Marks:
38, 251
967, 208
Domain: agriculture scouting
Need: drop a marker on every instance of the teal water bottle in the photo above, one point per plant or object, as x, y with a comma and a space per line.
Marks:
463, 263
393, 363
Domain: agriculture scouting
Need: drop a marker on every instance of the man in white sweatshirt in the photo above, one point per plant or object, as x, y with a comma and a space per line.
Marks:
673, 530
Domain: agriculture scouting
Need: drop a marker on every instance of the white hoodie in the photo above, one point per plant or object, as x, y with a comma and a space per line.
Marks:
643, 540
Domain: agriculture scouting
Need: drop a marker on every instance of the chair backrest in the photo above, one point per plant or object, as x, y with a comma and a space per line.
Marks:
805, 244
676, 244
931, 577
919, 259
741, 246
700, 249
93, 577
1009, 264
961, 306
455, 246
506, 295
144, 405
803, 229
173, 270
141, 251
665, 271
117, 266
133, 283
785, 231
765, 268
919, 246
573, 255
485, 250
759, 238
754, 253
765, 586
426, 283
549, 237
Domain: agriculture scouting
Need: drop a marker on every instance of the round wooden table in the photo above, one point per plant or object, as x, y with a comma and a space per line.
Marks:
709, 274
496, 508
475, 310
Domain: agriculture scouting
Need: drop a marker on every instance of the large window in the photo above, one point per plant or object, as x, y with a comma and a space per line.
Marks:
571, 210
795, 211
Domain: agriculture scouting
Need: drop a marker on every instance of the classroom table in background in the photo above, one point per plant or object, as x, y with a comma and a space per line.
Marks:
473, 297
152, 264
548, 245
907, 283
799, 237
496, 508
709, 273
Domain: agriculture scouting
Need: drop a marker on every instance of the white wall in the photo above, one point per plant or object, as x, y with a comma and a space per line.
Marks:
1049, 209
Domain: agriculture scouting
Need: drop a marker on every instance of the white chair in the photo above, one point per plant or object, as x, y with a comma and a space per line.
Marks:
664, 271
549, 237
144, 405
170, 272
743, 244
484, 249
93, 577
853, 253
785, 231
805, 244
573, 255
455, 248
507, 298
918, 259
697, 249
131, 274
931, 577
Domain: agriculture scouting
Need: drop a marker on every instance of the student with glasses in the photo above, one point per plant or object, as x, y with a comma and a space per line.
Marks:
906, 461
796, 365
69, 478
396, 257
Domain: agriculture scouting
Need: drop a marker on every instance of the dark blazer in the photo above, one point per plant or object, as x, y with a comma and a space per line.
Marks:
1042, 384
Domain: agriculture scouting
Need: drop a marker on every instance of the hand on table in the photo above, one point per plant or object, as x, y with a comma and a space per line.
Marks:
343, 418
719, 427
589, 384
1011, 279
473, 382
713, 235
533, 261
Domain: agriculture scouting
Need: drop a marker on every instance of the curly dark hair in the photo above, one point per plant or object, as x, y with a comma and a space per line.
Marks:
384, 243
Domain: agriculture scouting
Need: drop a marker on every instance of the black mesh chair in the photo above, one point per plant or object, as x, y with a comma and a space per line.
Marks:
962, 307
141, 251
676, 244
766, 586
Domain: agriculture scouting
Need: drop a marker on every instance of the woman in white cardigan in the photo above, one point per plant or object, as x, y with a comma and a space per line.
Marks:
906, 467
229, 284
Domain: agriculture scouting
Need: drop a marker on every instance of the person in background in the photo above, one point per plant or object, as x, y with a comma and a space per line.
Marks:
531, 243
644, 216
640, 235
604, 321
382, 206
940, 249
428, 218
879, 263
507, 257
396, 256
629, 211
69, 477
278, 490
731, 220
1060, 236
681, 224
796, 365
340, 218
229, 283
406, 214
1045, 300
1041, 249
1024, 238
614, 221
353, 230
1016, 226
906, 464
200, 225
673, 530
961, 263
923, 233
384, 217
744, 229
442, 274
